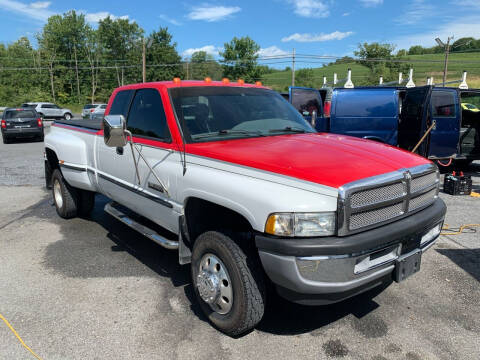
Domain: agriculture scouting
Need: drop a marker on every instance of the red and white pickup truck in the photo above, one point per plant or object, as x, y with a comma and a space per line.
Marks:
234, 178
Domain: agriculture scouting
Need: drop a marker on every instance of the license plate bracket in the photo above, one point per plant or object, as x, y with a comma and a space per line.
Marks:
407, 265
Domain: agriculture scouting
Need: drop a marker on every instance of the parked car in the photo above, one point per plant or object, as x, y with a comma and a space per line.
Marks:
89, 108
21, 123
233, 178
400, 117
98, 112
49, 110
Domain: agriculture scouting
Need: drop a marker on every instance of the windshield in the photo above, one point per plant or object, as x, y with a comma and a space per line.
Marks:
19, 114
216, 113
89, 106
29, 105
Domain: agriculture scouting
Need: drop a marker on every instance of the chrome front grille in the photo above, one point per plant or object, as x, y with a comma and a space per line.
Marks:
381, 199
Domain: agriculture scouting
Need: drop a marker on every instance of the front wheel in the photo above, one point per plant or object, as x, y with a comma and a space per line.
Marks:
67, 116
228, 283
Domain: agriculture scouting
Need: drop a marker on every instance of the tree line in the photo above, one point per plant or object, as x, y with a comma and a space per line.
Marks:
76, 63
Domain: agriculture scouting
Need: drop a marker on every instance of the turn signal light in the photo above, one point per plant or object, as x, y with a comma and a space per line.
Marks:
4, 124
258, 83
207, 80
241, 81
225, 80
177, 80
39, 122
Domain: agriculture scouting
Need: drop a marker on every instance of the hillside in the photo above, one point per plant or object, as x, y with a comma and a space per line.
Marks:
457, 63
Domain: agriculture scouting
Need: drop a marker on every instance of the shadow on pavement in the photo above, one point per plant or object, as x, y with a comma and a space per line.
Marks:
467, 259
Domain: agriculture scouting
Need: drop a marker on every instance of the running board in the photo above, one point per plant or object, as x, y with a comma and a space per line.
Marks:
142, 229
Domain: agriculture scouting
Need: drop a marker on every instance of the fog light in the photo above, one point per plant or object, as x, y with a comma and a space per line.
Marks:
431, 234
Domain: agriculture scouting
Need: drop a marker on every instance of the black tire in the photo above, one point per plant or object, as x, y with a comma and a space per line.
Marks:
247, 281
67, 116
67, 209
40, 137
86, 202
5, 139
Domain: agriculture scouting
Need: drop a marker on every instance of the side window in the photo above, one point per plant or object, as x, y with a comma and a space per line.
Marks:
121, 102
306, 101
147, 117
443, 104
46, 106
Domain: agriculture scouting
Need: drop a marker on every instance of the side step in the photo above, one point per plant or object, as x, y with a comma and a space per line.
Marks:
142, 229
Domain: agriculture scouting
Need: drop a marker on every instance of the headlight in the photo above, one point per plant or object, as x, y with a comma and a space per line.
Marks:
301, 224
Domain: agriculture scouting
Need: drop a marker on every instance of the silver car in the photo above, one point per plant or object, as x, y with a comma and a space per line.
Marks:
98, 112
50, 110
89, 108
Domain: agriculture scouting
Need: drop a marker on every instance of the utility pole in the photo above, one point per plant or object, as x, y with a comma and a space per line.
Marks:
293, 67
188, 75
144, 60
447, 50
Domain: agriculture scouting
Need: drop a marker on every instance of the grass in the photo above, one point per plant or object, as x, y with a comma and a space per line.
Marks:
421, 70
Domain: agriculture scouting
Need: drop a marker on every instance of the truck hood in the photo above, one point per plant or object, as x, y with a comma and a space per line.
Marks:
326, 159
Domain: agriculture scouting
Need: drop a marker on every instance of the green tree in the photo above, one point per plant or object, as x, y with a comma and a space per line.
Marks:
305, 77
240, 59
163, 53
202, 65
416, 50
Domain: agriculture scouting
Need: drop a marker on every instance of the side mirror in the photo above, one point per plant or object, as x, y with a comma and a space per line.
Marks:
114, 127
314, 118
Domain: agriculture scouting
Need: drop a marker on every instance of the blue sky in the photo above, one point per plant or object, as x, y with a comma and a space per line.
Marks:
320, 27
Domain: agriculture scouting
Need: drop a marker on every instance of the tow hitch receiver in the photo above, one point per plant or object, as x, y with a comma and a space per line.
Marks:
407, 265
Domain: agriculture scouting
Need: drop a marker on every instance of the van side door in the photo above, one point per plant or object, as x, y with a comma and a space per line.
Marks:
368, 113
306, 101
445, 135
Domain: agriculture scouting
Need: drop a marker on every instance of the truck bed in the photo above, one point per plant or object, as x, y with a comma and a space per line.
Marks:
85, 123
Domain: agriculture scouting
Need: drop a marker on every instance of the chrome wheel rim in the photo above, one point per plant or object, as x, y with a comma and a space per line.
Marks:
67, 117
214, 285
57, 194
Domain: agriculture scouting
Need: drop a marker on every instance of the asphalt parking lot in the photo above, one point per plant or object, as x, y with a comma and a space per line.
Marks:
92, 288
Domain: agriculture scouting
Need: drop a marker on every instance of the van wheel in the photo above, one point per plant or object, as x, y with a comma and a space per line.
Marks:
228, 283
63, 196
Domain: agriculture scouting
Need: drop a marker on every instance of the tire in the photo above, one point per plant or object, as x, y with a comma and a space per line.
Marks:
40, 137
248, 298
64, 196
67, 116
5, 139
41, 116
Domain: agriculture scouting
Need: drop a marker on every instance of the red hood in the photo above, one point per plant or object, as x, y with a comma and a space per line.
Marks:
326, 159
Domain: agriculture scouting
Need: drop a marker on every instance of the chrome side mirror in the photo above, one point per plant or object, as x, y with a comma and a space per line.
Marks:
114, 127
314, 118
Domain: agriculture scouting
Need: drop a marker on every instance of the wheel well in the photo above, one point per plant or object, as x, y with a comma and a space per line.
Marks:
51, 163
202, 215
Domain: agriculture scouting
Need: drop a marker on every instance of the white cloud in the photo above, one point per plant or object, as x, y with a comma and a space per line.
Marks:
96, 17
209, 49
417, 11
469, 26
40, 4
32, 11
168, 19
310, 8
371, 3
336, 35
211, 13
271, 51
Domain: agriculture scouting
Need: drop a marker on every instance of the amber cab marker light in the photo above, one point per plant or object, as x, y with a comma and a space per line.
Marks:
176, 80
241, 81
207, 80
258, 83
225, 80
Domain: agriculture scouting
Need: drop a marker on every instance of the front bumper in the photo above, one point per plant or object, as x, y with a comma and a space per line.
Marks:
329, 269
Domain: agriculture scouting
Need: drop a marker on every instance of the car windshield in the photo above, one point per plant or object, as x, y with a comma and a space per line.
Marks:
218, 112
103, 107
19, 114
89, 106
29, 105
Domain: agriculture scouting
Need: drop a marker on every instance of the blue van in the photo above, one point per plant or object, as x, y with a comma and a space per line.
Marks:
400, 117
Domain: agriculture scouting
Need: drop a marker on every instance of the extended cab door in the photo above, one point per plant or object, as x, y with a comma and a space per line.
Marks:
445, 111
146, 120
307, 100
412, 123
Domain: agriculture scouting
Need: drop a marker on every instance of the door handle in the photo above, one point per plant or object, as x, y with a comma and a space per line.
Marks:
119, 150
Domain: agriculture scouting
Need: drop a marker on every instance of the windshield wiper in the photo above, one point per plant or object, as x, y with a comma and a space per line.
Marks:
288, 129
228, 132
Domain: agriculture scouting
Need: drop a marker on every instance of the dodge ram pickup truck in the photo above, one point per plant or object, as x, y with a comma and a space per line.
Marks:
232, 177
